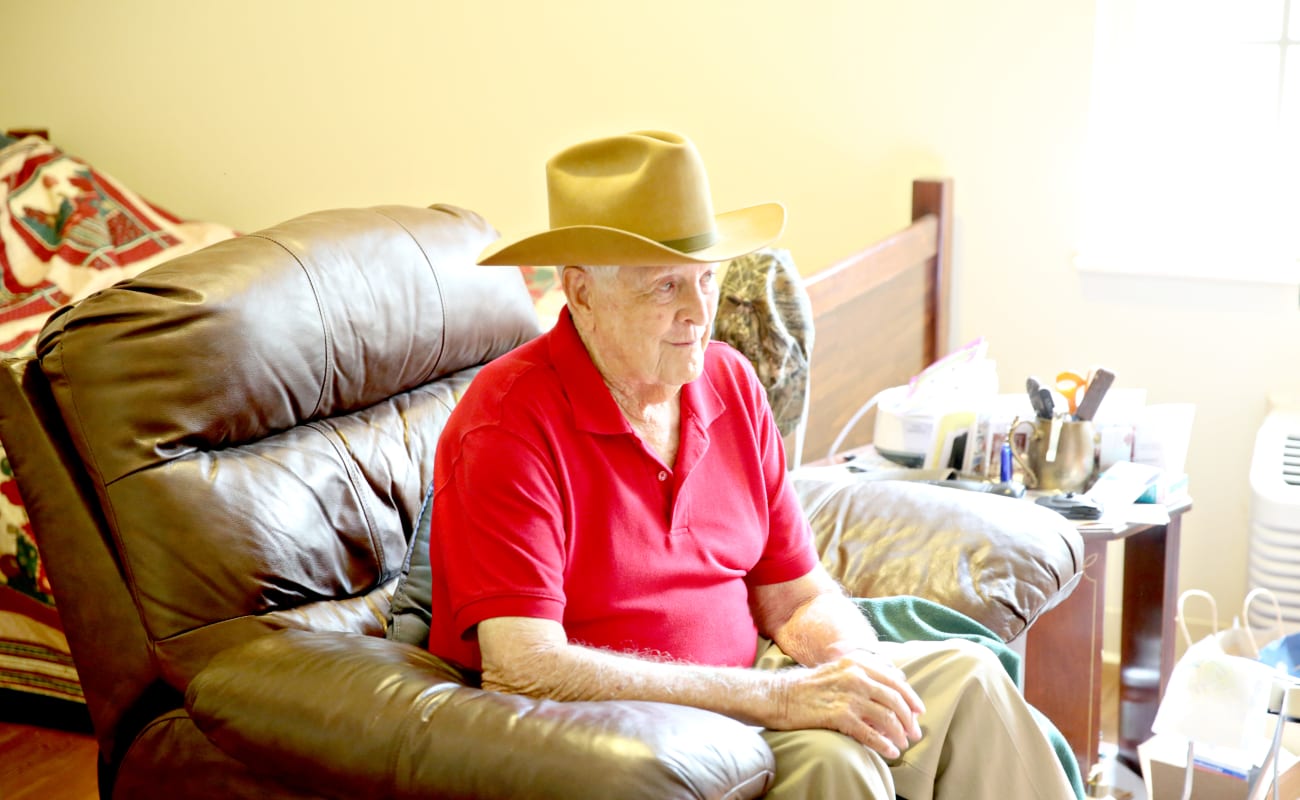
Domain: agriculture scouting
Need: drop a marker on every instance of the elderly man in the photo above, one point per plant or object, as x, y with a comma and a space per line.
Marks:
613, 518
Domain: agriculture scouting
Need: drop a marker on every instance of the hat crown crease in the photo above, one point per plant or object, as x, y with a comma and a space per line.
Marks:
640, 183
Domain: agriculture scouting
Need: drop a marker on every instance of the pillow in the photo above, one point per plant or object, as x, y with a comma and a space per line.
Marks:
68, 230
409, 616
764, 312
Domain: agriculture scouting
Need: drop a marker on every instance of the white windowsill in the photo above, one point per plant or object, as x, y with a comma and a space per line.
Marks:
1286, 273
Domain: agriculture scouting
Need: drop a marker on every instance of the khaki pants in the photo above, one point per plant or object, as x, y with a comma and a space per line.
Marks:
980, 740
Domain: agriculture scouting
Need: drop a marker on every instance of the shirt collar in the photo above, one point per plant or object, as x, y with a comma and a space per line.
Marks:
598, 413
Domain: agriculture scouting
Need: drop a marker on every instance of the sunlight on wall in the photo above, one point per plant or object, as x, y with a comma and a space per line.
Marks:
1191, 135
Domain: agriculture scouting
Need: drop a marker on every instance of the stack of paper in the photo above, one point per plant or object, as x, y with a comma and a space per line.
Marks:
1117, 492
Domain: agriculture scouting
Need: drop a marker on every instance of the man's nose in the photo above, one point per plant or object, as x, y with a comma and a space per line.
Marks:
695, 305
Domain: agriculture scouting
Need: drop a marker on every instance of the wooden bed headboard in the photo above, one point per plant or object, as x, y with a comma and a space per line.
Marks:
880, 316
19, 133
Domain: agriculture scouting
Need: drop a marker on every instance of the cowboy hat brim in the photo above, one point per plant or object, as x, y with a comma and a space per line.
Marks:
739, 232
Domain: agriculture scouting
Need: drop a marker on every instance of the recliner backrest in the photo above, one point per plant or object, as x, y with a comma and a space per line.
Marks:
251, 430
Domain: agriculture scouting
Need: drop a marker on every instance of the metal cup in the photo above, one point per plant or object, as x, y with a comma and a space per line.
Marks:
1074, 465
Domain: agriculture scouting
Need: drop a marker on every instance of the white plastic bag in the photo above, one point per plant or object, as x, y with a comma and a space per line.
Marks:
1217, 699
1219, 695
1282, 652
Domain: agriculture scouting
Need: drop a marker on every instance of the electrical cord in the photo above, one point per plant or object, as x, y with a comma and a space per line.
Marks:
848, 426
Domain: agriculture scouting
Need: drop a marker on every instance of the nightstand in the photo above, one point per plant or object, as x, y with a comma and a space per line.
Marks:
1063, 650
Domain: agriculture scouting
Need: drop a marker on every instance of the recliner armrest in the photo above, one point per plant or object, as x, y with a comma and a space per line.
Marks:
1000, 561
355, 716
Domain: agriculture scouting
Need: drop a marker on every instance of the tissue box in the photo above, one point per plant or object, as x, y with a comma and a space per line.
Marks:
1163, 760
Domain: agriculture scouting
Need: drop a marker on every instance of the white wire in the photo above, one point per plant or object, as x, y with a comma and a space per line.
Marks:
1187, 776
848, 426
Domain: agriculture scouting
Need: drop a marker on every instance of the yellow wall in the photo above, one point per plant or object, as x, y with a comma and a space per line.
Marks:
250, 112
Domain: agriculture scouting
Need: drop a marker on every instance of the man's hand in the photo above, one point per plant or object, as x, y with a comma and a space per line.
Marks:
860, 694
845, 687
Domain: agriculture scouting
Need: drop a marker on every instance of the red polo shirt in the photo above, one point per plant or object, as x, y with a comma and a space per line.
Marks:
548, 505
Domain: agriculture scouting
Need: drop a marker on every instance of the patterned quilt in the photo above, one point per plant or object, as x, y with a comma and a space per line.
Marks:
67, 230
548, 297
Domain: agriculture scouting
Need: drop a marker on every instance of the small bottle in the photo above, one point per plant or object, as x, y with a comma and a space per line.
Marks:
1005, 474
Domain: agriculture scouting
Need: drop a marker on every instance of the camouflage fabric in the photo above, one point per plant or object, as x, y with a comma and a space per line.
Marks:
763, 311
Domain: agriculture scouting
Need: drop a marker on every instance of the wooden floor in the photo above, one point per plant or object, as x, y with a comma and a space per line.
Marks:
44, 762
1109, 702
51, 761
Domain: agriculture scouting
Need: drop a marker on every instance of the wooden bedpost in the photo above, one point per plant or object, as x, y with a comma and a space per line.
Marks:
934, 197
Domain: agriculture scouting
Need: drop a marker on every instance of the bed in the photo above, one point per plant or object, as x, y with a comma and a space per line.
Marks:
881, 315
67, 229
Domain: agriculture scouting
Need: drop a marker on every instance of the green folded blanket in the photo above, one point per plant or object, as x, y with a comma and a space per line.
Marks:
902, 619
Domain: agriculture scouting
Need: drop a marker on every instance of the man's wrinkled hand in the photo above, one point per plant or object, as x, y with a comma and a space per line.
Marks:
861, 694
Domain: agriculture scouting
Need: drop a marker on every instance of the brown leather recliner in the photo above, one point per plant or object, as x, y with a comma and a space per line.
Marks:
224, 461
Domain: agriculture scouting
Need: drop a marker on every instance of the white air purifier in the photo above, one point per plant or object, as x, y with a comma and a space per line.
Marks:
1274, 547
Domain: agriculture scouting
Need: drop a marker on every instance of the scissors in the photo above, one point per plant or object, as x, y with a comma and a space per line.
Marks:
1072, 386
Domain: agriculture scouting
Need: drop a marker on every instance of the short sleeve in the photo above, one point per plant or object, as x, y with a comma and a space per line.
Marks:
501, 525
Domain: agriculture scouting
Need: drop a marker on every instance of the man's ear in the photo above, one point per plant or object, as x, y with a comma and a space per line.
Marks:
578, 287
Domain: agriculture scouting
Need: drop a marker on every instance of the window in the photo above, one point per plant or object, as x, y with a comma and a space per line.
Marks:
1194, 140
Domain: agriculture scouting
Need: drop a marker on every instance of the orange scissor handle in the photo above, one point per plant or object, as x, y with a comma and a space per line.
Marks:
1071, 385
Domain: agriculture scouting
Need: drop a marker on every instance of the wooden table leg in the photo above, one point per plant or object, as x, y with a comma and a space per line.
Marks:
1148, 634
1063, 659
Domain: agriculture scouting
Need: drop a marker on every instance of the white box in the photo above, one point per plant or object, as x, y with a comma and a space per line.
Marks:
1163, 760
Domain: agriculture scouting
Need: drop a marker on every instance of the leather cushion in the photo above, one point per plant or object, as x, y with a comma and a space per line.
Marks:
998, 560
259, 418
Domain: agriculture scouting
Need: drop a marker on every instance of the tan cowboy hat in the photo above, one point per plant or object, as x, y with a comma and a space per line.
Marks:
641, 199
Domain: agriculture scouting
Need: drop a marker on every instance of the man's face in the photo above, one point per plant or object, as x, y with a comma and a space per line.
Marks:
648, 326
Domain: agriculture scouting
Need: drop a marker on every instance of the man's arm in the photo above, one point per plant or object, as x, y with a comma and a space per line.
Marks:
811, 619
523, 655
533, 657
